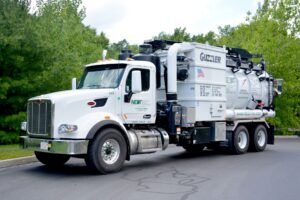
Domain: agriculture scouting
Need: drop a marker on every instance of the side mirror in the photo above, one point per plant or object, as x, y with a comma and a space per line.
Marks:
74, 84
278, 86
136, 83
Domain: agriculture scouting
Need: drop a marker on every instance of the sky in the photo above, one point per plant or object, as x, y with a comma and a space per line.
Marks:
138, 20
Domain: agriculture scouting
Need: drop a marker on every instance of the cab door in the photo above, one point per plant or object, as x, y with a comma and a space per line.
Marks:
139, 108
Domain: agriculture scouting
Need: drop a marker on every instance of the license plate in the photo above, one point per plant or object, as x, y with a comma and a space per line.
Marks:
44, 145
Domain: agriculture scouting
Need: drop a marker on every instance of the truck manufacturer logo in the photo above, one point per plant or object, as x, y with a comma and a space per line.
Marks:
210, 58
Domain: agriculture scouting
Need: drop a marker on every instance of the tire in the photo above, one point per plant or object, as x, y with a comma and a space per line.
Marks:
259, 139
106, 152
240, 143
196, 148
50, 159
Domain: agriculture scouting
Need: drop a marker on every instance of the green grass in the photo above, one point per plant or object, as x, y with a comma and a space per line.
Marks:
13, 151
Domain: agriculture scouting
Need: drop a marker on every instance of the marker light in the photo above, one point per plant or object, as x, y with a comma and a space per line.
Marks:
67, 128
24, 126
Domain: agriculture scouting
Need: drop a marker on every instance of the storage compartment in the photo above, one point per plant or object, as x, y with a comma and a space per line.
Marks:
201, 135
205, 88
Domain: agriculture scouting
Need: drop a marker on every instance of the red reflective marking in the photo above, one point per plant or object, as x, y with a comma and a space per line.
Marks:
91, 103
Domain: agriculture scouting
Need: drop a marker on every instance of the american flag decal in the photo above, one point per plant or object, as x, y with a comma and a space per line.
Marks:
200, 73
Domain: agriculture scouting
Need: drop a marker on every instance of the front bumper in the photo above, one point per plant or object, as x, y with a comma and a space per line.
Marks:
58, 146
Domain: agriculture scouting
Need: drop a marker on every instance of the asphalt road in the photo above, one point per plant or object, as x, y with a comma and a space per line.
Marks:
172, 174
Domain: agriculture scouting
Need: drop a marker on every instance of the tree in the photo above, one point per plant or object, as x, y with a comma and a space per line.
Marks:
179, 35
20, 55
284, 12
210, 37
227, 30
40, 53
70, 44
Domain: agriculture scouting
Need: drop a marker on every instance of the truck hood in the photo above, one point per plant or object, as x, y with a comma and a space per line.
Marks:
75, 95
79, 107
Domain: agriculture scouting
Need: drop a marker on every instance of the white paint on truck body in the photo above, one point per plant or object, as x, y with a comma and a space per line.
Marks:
71, 106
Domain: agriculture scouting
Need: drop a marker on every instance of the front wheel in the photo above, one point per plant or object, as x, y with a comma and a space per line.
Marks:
107, 152
51, 160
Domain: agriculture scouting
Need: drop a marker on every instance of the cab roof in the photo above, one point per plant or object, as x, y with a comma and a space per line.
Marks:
116, 62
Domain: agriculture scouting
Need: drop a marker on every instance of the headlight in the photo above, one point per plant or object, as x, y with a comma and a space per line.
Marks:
67, 128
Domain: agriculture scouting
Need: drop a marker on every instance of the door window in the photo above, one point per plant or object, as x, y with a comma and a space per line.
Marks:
145, 75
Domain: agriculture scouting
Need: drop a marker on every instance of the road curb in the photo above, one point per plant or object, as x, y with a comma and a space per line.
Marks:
286, 136
17, 161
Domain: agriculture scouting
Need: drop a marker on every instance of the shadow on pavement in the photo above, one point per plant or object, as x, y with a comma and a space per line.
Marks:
77, 167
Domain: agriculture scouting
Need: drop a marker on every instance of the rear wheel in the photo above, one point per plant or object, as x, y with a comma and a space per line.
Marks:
51, 159
259, 139
107, 152
240, 142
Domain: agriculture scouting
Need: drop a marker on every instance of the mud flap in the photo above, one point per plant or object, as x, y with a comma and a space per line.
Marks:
271, 137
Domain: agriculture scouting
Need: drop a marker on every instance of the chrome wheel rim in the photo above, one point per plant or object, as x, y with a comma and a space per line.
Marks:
110, 151
261, 138
242, 139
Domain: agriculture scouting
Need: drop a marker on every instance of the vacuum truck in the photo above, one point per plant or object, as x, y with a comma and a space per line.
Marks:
193, 95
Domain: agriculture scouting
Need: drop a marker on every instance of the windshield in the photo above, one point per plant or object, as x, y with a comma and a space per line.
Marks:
102, 76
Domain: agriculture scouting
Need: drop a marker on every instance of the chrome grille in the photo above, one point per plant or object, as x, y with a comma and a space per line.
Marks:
39, 117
